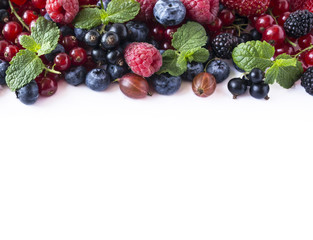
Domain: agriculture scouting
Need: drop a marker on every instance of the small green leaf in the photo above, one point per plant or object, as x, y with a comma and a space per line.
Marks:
120, 11
286, 70
191, 35
88, 18
201, 55
46, 34
24, 68
253, 54
170, 63
29, 43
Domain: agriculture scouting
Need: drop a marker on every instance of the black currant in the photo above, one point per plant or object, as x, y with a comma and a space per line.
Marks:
260, 90
256, 75
4, 16
255, 34
114, 57
110, 40
120, 29
237, 87
98, 55
92, 38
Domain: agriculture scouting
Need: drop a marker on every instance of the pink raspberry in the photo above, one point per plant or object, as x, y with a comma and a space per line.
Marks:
143, 58
146, 10
202, 11
62, 11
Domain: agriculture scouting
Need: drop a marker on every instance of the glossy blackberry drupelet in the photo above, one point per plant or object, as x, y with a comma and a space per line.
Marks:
28, 94
137, 31
219, 69
193, 69
307, 81
98, 79
169, 12
116, 71
223, 45
76, 75
166, 84
59, 49
299, 23
3, 67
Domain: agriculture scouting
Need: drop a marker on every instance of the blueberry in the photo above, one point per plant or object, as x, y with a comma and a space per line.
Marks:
237, 68
66, 31
255, 34
116, 71
125, 44
80, 33
219, 69
114, 57
105, 3
92, 38
137, 31
110, 40
28, 94
75, 75
256, 75
59, 49
47, 17
166, 84
161, 51
98, 79
4, 16
4, 4
120, 29
98, 55
193, 69
3, 67
169, 12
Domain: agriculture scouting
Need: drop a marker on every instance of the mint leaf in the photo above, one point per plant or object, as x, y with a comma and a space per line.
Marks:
88, 18
46, 35
189, 36
170, 63
120, 11
24, 68
286, 70
253, 54
29, 43
200, 55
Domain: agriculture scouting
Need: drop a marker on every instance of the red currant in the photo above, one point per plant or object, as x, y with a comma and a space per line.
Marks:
305, 41
9, 52
286, 48
39, 3
17, 39
19, 2
29, 16
281, 6
157, 32
78, 55
308, 58
47, 86
227, 17
282, 18
274, 35
43, 11
69, 42
169, 32
32, 24
11, 30
166, 46
253, 20
215, 26
62, 62
3, 45
264, 22
27, 6
90, 64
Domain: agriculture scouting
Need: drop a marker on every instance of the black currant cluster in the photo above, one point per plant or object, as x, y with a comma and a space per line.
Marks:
255, 80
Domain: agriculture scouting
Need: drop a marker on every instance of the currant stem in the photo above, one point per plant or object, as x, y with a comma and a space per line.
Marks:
290, 42
271, 13
89, 6
304, 50
17, 16
52, 71
102, 29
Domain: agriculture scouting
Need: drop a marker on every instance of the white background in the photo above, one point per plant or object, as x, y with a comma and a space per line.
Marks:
86, 165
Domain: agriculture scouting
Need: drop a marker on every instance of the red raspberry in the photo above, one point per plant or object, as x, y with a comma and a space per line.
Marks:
247, 7
62, 11
143, 58
202, 11
146, 10
301, 4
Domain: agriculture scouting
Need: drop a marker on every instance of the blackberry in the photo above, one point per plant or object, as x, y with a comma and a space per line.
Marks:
223, 45
299, 23
307, 81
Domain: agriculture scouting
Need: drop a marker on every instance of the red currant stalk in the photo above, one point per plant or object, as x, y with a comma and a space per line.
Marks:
17, 16
304, 50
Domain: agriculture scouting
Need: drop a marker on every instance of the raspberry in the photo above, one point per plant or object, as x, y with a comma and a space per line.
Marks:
223, 45
299, 23
146, 10
143, 58
301, 4
247, 7
307, 81
202, 11
62, 11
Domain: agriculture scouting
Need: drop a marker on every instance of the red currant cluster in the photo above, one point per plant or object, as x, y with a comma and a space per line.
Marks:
163, 35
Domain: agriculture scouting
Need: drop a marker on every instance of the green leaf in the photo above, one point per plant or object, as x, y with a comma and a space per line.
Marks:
201, 55
120, 11
29, 43
46, 34
24, 68
88, 18
253, 54
171, 65
191, 35
286, 70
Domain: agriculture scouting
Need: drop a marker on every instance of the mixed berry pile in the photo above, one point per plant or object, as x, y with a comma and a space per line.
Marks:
149, 46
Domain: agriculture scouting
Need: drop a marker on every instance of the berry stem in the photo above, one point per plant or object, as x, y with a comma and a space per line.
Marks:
17, 16
102, 29
271, 13
89, 6
52, 71
290, 42
304, 50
